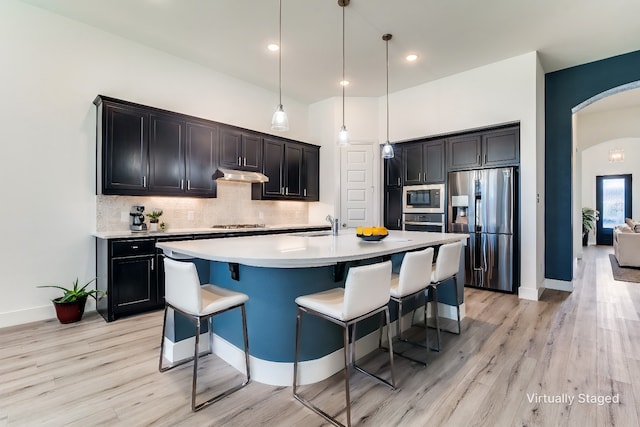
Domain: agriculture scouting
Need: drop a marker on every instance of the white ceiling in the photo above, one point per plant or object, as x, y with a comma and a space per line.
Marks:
450, 36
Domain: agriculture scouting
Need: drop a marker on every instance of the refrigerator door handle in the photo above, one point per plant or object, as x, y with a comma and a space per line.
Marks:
478, 276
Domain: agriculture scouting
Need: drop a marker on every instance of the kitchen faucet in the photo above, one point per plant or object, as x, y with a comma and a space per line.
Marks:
334, 224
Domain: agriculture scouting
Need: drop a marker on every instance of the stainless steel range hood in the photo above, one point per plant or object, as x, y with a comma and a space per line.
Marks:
238, 175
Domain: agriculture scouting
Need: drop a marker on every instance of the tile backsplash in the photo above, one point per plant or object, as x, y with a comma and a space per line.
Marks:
232, 206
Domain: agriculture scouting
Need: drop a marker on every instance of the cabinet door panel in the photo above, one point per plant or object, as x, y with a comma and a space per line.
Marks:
394, 168
412, 164
393, 208
273, 167
251, 152
464, 152
202, 145
125, 148
501, 148
311, 173
293, 170
166, 155
134, 284
230, 148
434, 162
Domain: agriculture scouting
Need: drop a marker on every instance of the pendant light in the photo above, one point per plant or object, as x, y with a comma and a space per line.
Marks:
343, 135
387, 149
280, 121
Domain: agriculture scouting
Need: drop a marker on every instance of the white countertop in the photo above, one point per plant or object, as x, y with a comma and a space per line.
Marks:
186, 231
298, 250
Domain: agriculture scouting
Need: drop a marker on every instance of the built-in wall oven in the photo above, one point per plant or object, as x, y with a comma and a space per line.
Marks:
423, 207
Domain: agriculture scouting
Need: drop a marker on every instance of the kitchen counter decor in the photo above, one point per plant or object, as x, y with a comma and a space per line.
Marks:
372, 234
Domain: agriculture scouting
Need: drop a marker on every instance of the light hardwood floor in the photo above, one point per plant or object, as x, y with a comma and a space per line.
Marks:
512, 355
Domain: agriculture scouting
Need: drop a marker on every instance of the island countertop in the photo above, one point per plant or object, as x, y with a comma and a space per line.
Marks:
305, 249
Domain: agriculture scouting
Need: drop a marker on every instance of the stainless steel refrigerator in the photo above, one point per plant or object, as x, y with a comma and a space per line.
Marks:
484, 204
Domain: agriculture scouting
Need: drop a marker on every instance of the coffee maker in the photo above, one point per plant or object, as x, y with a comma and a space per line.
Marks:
136, 219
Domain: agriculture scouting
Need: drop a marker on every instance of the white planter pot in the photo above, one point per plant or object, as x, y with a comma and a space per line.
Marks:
153, 226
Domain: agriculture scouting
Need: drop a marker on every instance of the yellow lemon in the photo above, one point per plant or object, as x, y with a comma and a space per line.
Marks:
367, 231
359, 231
375, 231
384, 231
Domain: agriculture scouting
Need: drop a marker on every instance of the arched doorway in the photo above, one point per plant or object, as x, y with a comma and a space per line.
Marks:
605, 122
565, 90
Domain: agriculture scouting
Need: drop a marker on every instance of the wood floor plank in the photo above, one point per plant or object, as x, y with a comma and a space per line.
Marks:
513, 358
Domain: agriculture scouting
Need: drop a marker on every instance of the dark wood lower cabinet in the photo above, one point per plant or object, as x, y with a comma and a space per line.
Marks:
393, 208
131, 270
127, 272
134, 284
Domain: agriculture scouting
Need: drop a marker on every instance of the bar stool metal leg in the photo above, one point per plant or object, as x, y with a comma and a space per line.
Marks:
399, 301
347, 364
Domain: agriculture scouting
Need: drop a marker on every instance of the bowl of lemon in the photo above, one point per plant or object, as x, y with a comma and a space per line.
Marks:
372, 234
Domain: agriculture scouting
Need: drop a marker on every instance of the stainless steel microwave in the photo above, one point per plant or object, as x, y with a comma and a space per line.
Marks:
428, 198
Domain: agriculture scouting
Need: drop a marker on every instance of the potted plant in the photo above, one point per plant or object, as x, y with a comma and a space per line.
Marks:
154, 219
589, 218
70, 306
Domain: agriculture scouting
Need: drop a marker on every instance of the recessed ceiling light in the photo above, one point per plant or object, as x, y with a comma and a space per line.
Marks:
411, 57
344, 83
273, 47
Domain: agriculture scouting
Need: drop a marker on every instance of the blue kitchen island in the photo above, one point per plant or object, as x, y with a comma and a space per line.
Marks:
273, 271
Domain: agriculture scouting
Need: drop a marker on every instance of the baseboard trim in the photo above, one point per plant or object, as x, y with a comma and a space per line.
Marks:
36, 314
559, 285
530, 294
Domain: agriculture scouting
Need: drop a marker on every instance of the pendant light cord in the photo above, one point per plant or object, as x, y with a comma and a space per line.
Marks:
343, 80
386, 38
280, 55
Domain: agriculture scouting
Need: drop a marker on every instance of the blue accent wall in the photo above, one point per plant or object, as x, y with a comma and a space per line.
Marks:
564, 90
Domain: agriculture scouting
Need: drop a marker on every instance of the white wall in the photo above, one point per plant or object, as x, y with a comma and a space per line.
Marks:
52, 69
506, 91
608, 125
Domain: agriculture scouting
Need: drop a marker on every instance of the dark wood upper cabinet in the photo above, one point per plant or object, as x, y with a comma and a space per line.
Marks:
424, 162
201, 155
413, 164
500, 147
433, 161
122, 148
464, 151
311, 173
166, 154
148, 151
273, 167
393, 168
240, 149
293, 171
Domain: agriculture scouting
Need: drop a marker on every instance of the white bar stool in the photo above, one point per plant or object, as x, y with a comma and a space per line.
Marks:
365, 293
184, 294
413, 280
447, 264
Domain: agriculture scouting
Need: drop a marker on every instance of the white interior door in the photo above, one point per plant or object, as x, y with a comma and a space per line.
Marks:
356, 185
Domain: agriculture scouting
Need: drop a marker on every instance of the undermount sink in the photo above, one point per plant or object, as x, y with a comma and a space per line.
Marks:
313, 234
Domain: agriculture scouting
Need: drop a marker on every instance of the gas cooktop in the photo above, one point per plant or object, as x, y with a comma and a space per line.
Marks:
233, 226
